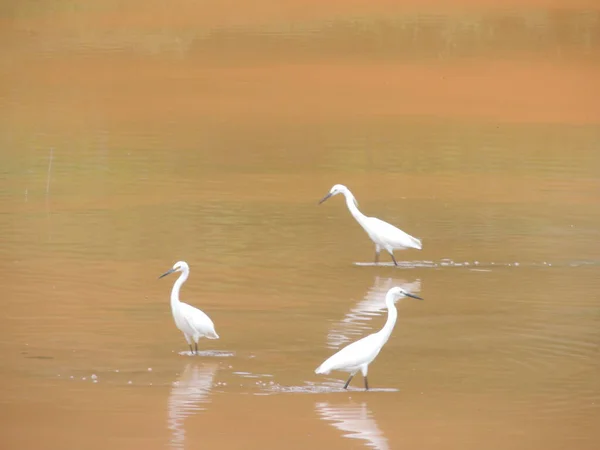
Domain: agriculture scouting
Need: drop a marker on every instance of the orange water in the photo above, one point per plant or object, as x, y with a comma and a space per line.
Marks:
135, 134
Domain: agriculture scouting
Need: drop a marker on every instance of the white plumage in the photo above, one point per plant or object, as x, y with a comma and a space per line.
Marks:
358, 355
383, 235
193, 323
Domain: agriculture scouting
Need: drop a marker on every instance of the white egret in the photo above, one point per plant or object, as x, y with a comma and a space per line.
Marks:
358, 355
192, 322
355, 322
384, 235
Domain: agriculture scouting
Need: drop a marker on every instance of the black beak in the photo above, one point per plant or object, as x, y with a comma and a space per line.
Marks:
413, 296
166, 273
325, 198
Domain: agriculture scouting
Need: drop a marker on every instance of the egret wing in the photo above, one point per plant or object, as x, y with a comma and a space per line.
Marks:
392, 235
353, 355
199, 321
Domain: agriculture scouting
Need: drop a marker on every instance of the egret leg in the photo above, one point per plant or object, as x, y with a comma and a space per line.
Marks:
377, 250
189, 341
366, 384
196, 345
348, 382
393, 259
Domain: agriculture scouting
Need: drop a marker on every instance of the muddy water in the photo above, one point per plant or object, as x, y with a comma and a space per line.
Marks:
137, 134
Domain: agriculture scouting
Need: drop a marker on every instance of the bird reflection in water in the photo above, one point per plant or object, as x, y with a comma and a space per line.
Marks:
355, 323
356, 420
188, 393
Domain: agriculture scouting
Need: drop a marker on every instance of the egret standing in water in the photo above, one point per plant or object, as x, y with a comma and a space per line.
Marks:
358, 355
383, 234
192, 322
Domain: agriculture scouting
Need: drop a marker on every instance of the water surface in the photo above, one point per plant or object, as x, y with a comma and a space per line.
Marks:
134, 135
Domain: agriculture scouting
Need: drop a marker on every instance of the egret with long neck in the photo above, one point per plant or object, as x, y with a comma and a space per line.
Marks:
193, 323
358, 355
383, 235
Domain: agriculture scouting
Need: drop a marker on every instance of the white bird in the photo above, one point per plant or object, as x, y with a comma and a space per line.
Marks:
357, 320
192, 322
358, 355
383, 234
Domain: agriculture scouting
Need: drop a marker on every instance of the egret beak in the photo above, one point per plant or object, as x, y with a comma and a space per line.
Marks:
413, 296
166, 273
325, 198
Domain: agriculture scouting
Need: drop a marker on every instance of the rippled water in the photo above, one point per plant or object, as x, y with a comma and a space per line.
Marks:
135, 134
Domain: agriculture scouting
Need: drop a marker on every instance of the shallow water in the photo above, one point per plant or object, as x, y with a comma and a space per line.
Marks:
133, 135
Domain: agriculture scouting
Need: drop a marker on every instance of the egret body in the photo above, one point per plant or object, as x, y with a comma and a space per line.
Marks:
192, 322
358, 355
383, 235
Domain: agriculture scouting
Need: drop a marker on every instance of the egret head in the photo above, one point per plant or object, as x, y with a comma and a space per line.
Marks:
179, 266
398, 292
335, 190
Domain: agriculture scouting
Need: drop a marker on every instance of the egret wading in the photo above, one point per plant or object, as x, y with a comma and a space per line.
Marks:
358, 355
192, 322
384, 235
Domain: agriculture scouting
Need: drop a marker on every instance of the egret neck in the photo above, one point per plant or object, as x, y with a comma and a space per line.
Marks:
175, 291
351, 203
386, 331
